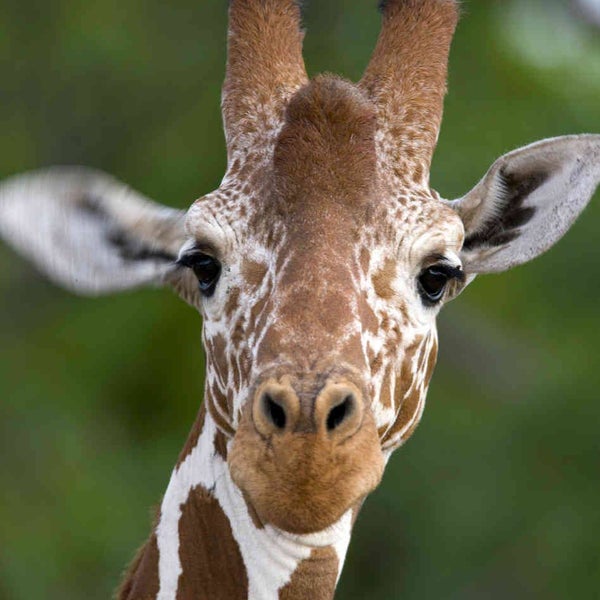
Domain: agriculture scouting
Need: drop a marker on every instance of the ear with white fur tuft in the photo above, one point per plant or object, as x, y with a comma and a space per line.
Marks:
527, 201
90, 233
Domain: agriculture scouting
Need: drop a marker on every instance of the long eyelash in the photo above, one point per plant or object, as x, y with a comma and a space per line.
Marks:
188, 258
439, 261
191, 250
452, 272
185, 261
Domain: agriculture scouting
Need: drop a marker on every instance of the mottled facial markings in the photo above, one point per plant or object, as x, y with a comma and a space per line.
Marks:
319, 343
383, 280
319, 279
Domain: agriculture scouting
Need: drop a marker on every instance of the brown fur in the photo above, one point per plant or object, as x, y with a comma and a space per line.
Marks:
253, 514
213, 568
221, 444
407, 78
258, 315
140, 581
386, 391
213, 397
317, 314
232, 302
325, 153
431, 361
253, 273
383, 279
325, 169
315, 577
192, 439
264, 65
217, 348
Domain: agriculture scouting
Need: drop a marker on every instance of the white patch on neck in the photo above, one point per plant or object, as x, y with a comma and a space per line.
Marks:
270, 555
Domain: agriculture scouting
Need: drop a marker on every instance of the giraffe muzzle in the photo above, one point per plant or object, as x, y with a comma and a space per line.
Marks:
306, 451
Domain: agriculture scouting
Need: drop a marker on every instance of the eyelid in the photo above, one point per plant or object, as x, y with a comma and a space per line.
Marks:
194, 247
449, 270
450, 265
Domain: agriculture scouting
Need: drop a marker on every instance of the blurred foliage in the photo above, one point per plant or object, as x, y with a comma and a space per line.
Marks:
496, 496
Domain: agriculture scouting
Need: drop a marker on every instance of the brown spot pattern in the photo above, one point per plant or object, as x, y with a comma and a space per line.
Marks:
411, 389
383, 280
315, 577
211, 397
192, 440
253, 273
232, 302
221, 444
212, 564
141, 582
385, 398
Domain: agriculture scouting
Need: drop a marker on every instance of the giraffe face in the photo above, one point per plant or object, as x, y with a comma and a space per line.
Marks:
320, 336
323, 260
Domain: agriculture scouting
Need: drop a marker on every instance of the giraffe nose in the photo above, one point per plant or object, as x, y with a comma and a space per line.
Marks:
337, 410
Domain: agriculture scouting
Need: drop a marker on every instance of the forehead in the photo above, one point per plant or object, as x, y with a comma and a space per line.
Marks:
324, 180
324, 157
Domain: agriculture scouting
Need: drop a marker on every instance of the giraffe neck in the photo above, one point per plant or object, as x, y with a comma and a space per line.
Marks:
208, 544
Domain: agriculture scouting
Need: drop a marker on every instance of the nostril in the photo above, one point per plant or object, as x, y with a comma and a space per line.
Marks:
339, 413
274, 411
339, 410
275, 408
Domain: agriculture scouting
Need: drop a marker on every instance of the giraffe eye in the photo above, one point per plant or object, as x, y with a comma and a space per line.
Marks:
433, 281
206, 268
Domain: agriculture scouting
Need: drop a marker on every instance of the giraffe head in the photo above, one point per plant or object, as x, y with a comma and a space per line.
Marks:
321, 262
326, 257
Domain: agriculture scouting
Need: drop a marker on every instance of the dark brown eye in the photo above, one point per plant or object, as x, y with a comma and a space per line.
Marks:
207, 270
433, 281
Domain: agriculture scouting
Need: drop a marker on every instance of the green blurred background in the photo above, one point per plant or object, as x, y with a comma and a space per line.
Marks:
497, 494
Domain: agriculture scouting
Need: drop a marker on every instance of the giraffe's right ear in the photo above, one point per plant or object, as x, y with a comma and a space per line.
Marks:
527, 201
91, 234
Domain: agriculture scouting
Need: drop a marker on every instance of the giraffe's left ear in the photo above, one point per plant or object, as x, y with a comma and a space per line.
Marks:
91, 234
527, 201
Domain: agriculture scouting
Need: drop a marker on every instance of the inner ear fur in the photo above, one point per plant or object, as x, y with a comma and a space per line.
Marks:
527, 201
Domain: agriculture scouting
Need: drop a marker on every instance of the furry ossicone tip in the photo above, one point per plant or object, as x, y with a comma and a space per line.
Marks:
385, 4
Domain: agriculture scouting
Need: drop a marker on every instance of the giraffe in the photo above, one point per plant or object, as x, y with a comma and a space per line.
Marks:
319, 266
